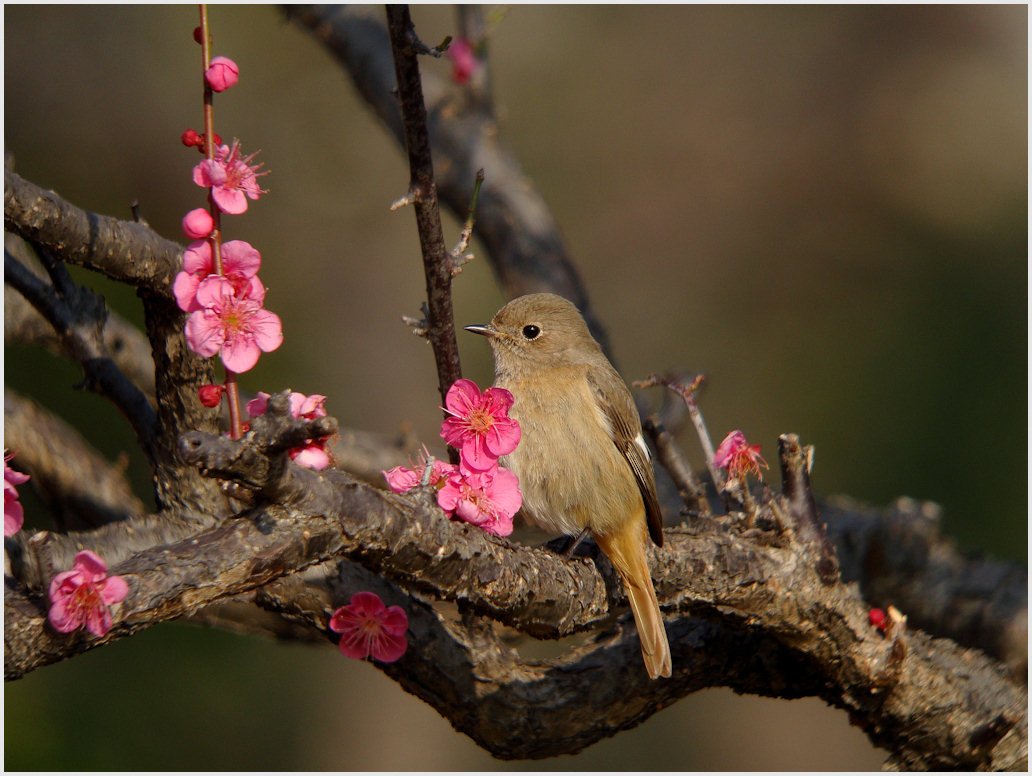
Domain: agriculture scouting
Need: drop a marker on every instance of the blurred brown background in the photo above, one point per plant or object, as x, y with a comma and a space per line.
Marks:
822, 208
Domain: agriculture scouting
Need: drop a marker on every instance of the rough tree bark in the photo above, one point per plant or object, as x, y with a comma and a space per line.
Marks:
763, 604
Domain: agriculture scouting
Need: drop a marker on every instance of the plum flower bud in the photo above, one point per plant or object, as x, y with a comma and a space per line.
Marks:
222, 74
197, 224
464, 60
210, 395
197, 35
877, 618
191, 138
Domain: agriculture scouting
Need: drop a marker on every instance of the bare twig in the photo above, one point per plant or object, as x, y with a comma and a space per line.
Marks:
687, 393
691, 490
441, 324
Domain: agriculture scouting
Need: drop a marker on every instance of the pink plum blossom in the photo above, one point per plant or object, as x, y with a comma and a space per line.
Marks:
198, 223
83, 596
235, 326
313, 453
464, 60
14, 514
240, 265
738, 457
479, 426
487, 499
369, 628
400, 478
222, 74
231, 178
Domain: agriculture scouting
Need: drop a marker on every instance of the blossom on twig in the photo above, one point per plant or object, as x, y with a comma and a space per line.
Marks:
368, 628
84, 596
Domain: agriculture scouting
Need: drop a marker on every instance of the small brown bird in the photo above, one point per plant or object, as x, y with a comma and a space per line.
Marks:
582, 461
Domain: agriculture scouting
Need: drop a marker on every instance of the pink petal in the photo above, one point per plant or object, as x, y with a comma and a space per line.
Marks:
355, 644
387, 647
500, 526
266, 329
239, 257
14, 516
204, 333
469, 512
239, 353
368, 604
197, 259
399, 479
212, 290
475, 455
63, 620
503, 437
313, 406
453, 431
209, 173
462, 396
505, 492
91, 566
184, 289
98, 620
499, 399
229, 200
343, 620
731, 444
64, 584
258, 405
394, 621
311, 457
450, 493
113, 590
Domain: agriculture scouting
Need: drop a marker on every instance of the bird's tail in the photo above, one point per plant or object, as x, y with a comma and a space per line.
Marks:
626, 551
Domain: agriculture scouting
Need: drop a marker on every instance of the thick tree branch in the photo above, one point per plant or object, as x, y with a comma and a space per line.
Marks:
931, 702
123, 250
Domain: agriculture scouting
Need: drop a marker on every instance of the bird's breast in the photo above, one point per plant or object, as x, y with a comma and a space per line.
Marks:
571, 473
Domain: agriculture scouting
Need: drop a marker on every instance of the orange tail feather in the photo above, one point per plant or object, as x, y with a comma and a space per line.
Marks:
626, 551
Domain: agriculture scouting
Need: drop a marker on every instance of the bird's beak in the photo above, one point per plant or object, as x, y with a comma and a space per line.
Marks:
486, 329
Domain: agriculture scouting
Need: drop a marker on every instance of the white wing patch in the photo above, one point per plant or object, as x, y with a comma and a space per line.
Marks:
640, 442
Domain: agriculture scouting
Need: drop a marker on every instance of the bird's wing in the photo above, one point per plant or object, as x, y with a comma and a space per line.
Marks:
616, 403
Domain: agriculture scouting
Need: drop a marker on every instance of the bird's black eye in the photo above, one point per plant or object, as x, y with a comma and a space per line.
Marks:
530, 331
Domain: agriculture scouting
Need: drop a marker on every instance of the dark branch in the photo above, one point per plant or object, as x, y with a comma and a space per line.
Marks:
78, 316
81, 488
436, 259
934, 704
123, 250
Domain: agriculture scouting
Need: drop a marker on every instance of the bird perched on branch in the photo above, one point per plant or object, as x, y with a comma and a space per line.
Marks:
582, 460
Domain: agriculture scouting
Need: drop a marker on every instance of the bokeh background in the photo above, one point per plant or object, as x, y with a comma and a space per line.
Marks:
824, 209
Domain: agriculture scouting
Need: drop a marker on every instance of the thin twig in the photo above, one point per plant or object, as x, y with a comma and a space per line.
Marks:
687, 392
436, 261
